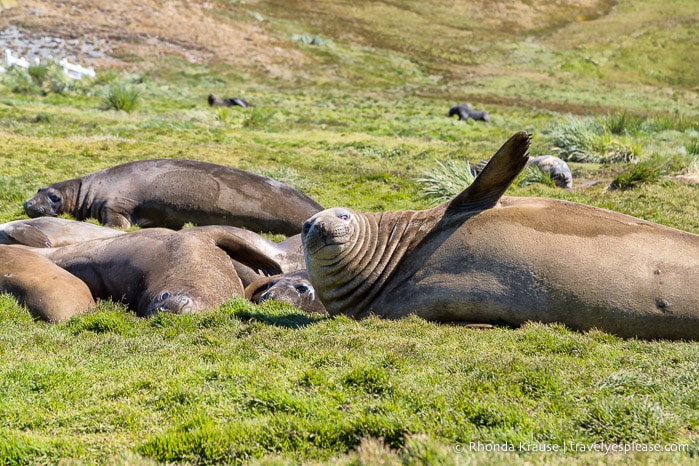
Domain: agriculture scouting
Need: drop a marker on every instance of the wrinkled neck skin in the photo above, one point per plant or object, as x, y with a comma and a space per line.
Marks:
349, 282
70, 191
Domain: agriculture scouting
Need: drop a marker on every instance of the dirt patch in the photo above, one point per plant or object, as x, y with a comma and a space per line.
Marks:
112, 33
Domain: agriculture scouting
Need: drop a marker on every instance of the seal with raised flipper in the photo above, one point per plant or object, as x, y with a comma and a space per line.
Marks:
48, 232
156, 269
484, 258
171, 192
49, 292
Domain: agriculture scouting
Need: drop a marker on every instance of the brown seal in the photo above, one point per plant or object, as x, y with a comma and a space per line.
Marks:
171, 192
480, 258
163, 270
294, 288
47, 232
49, 292
288, 254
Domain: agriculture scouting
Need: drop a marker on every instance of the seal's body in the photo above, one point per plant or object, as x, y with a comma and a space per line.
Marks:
171, 192
49, 292
47, 232
163, 270
480, 258
464, 112
556, 168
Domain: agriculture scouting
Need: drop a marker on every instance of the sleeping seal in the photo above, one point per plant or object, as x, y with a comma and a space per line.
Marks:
171, 192
156, 269
483, 258
49, 292
294, 288
47, 232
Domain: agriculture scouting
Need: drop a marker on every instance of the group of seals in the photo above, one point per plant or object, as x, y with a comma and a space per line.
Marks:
227, 102
157, 269
464, 112
171, 192
484, 258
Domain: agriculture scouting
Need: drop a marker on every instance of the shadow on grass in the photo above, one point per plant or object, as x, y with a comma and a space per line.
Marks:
286, 319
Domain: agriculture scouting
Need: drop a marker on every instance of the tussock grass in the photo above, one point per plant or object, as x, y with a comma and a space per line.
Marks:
587, 140
447, 179
121, 97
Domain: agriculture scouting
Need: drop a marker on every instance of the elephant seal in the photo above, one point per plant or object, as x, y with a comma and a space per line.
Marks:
556, 168
171, 192
156, 269
483, 258
227, 102
464, 112
49, 292
294, 288
288, 254
47, 232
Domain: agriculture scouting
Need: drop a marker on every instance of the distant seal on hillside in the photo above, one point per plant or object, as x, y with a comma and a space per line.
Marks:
157, 270
481, 258
49, 292
464, 112
556, 168
294, 288
171, 192
227, 102
47, 232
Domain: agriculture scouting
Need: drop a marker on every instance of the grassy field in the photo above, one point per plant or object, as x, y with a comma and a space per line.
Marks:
350, 107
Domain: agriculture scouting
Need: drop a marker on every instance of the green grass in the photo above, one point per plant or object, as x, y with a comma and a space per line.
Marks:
358, 127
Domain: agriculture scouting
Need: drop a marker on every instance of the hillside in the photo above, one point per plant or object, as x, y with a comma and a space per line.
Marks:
577, 55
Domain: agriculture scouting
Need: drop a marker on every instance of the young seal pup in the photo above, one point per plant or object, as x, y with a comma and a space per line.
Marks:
486, 259
171, 192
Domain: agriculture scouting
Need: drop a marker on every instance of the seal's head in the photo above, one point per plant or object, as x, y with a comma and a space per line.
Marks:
329, 233
48, 202
176, 303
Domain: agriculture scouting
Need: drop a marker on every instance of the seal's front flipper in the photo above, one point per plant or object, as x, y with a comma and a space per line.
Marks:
244, 251
496, 177
28, 235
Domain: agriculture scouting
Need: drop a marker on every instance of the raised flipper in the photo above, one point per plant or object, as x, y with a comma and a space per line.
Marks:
496, 177
245, 250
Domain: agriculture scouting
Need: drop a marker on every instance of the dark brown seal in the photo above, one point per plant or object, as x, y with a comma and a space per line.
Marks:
227, 102
288, 254
294, 288
156, 269
47, 232
171, 192
483, 258
49, 292
464, 112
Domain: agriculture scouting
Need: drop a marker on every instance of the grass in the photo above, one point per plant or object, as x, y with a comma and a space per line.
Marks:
357, 125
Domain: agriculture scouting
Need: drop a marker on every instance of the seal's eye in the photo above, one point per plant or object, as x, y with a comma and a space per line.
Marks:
54, 198
164, 295
343, 216
301, 289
